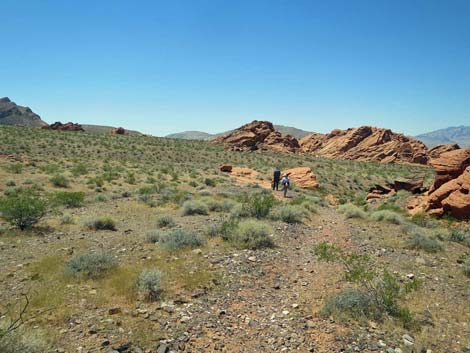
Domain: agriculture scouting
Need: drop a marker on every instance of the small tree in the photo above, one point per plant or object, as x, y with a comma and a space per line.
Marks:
23, 208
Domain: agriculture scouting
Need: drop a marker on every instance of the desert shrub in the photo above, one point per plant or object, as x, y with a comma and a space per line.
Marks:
69, 199
352, 302
23, 340
288, 214
181, 239
351, 211
212, 230
461, 236
379, 292
251, 234
387, 216
424, 220
466, 266
91, 265
149, 283
100, 198
59, 181
10, 182
165, 221
194, 207
101, 223
67, 219
79, 169
257, 205
240, 211
22, 208
153, 236
425, 242
210, 182
15, 168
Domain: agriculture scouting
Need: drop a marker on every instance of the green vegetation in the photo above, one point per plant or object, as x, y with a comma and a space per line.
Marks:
180, 239
251, 234
91, 265
190, 208
59, 181
149, 283
351, 211
23, 208
69, 199
165, 221
101, 223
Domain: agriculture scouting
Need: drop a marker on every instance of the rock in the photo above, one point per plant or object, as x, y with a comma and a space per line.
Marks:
436, 151
413, 185
226, 168
118, 131
114, 311
13, 114
366, 144
449, 166
258, 135
64, 127
303, 177
163, 348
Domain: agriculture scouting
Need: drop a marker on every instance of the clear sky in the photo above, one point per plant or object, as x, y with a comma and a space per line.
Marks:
212, 65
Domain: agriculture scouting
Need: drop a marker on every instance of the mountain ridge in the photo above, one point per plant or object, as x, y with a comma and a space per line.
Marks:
451, 135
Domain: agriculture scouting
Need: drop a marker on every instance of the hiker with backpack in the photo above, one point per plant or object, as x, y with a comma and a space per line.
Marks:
276, 178
285, 182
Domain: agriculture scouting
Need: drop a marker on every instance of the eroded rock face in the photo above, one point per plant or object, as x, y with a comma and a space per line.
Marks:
258, 135
16, 115
366, 143
452, 197
303, 177
449, 166
436, 152
118, 131
64, 127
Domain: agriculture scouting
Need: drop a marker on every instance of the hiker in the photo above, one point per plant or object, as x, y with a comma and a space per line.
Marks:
285, 182
276, 177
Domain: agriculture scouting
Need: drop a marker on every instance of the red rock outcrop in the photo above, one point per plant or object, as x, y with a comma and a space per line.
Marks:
436, 151
64, 127
118, 131
452, 197
303, 177
449, 166
366, 143
226, 168
258, 135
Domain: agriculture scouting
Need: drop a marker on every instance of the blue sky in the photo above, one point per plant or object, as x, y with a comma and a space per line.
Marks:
212, 65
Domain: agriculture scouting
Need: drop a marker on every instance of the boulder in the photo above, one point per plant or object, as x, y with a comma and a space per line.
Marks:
64, 127
452, 197
258, 135
118, 131
366, 143
226, 168
449, 166
414, 185
303, 177
436, 151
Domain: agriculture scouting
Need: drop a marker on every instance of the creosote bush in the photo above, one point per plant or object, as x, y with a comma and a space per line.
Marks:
259, 204
149, 283
91, 264
69, 199
23, 208
351, 211
425, 242
194, 208
101, 223
387, 216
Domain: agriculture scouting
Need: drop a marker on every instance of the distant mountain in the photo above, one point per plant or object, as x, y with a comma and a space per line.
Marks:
191, 135
459, 135
13, 114
200, 135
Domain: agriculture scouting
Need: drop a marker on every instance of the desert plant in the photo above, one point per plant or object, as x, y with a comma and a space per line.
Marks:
23, 208
190, 208
59, 181
10, 182
351, 211
466, 266
259, 205
67, 219
425, 242
91, 264
181, 239
461, 236
380, 291
288, 214
149, 283
387, 216
153, 236
165, 221
101, 223
24, 340
251, 234
69, 199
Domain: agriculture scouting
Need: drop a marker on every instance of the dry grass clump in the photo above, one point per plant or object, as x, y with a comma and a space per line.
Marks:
351, 211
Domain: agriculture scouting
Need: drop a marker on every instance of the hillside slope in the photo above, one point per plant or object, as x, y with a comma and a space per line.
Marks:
452, 135
13, 114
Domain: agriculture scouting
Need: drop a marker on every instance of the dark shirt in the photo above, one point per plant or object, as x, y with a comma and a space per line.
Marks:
277, 174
